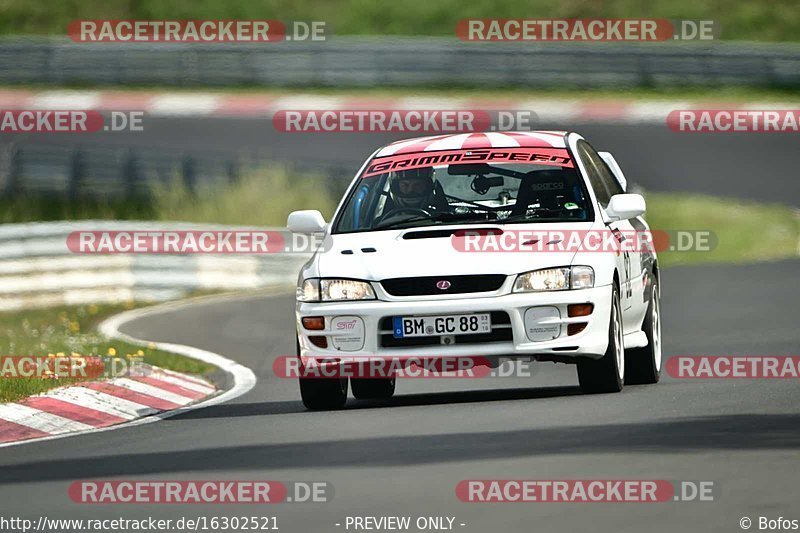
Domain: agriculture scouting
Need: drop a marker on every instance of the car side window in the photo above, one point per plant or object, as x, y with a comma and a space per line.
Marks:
606, 175
595, 177
365, 199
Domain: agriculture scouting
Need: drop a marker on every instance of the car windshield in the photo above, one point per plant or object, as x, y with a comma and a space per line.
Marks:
499, 193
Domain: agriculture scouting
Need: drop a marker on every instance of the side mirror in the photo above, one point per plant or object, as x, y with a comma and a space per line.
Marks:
614, 166
306, 221
625, 206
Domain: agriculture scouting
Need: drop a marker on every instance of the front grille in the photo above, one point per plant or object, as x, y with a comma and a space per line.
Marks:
424, 286
501, 332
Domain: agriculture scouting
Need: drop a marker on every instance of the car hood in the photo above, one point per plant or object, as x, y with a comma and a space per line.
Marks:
391, 254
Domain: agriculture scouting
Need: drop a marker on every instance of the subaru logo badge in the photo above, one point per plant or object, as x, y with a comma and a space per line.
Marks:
443, 285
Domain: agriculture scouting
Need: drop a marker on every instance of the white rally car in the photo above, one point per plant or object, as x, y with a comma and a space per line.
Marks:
396, 280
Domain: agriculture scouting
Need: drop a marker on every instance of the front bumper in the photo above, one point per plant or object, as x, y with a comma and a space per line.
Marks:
364, 337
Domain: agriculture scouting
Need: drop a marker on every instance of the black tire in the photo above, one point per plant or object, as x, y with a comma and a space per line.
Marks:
373, 388
322, 394
643, 365
607, 373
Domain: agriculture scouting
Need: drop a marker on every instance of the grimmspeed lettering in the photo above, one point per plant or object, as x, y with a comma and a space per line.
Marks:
535, 156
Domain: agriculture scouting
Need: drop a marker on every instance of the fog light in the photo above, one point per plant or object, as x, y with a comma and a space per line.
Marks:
580, 309
574, 329
314, 322
320, 341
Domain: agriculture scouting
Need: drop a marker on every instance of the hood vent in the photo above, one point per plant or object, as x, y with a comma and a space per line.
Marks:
445, 233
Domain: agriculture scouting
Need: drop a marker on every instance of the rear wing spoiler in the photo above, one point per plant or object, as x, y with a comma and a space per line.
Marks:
614, 166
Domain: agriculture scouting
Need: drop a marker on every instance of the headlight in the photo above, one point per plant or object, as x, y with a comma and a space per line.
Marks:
334, 290
582, 277
549, 279
555, 279
308, 291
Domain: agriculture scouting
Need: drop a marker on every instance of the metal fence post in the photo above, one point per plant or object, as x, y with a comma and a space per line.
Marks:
189, 173
232, 172
132, 177
77, 173
15, 171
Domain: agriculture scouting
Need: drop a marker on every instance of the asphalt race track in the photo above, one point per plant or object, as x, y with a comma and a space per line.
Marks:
406, 456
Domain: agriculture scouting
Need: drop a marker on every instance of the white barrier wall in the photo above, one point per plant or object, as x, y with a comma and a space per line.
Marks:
37, 268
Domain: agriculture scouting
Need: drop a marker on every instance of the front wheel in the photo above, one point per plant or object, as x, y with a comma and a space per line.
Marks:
607, 374
322, 394
643, 365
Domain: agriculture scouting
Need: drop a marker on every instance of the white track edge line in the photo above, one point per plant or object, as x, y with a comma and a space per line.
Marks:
243, 378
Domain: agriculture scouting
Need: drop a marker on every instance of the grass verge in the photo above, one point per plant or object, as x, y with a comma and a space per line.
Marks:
777, 20
743, 231
261, 197
258, 199
62, 331
733, 94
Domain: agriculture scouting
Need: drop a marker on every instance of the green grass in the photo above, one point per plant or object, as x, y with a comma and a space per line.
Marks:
745, 231
699, 94
733, 94
257, 199
260, 198
67, 330
777, 20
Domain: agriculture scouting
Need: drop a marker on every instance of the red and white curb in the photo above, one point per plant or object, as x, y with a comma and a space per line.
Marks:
121, 402
200, 104
99, 404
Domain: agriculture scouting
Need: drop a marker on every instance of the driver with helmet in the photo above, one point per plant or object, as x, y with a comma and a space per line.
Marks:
412, 189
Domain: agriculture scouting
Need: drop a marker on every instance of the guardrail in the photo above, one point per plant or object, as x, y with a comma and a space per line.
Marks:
37, 269
396, 61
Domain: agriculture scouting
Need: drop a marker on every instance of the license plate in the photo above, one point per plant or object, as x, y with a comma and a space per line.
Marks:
426, 326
